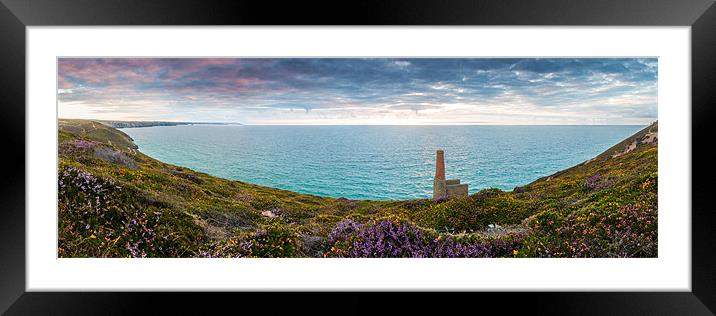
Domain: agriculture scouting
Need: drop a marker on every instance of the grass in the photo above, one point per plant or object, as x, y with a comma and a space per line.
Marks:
114, 201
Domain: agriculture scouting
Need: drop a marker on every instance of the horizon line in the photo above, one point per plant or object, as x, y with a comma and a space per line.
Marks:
382, 124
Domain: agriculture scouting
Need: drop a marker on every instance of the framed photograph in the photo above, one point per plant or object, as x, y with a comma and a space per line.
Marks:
541, 150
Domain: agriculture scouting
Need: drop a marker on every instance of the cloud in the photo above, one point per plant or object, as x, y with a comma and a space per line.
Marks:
260, 90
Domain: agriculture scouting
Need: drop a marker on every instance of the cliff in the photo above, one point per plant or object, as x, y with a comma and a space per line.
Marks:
114, 201
131, 124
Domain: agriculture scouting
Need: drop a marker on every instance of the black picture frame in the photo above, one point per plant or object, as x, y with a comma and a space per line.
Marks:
16, 15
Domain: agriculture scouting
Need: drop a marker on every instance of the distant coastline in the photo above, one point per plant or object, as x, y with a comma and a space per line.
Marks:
132, 124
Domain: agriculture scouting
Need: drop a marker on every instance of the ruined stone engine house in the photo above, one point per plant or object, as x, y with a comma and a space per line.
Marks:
442, 187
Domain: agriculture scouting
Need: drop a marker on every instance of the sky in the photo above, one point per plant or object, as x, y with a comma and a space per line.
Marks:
355, 91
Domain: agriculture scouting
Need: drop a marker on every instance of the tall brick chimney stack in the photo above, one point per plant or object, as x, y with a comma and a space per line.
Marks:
439, 186
440, 165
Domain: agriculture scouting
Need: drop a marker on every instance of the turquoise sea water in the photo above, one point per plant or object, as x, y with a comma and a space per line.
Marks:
376, 162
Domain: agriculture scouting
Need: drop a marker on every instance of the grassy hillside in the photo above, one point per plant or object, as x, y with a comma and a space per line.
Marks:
115, 201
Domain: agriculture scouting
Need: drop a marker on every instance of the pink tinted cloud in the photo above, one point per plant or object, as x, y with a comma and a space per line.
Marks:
166, 72
63, 83
104, 72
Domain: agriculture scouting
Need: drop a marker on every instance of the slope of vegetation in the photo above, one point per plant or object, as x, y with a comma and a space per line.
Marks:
115, 201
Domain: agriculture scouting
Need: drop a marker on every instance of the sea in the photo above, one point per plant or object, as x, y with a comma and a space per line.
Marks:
377, 162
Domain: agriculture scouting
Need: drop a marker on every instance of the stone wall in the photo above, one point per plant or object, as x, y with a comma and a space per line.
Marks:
456, 190
439, 188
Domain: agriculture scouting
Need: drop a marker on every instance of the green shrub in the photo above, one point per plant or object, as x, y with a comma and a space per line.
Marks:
272, 240
628, 231
98, 218
474, 212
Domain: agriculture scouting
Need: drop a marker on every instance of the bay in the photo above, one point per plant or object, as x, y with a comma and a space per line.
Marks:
377, 162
